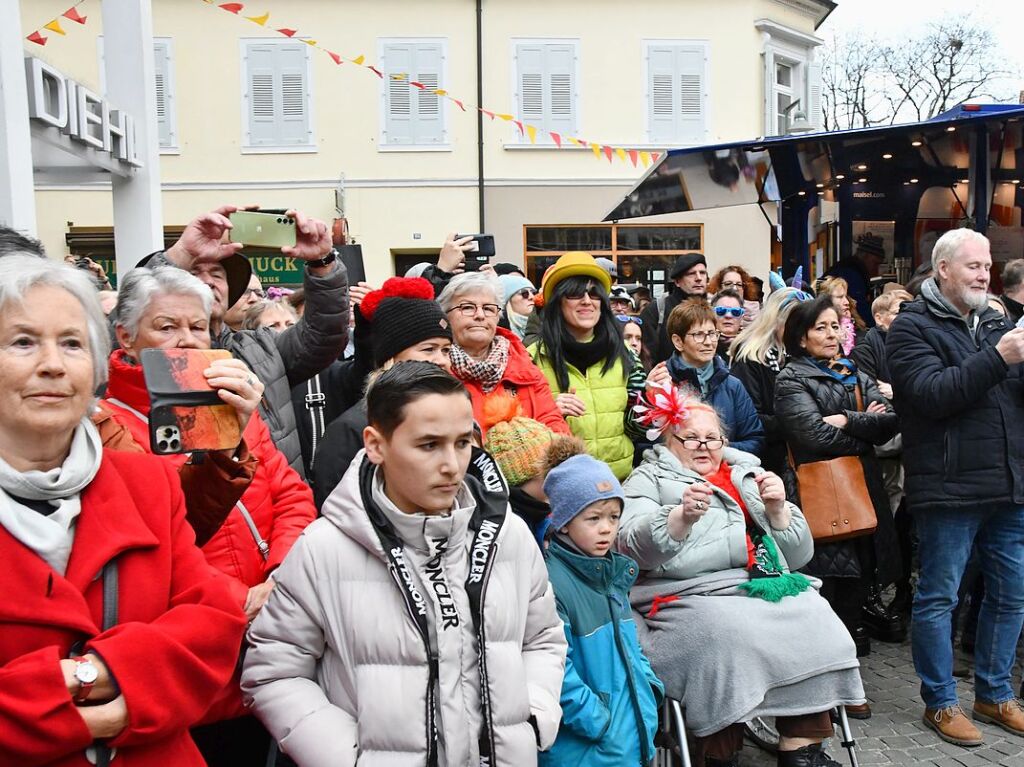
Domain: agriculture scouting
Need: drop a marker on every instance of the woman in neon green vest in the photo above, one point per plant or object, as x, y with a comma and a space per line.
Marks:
592, 374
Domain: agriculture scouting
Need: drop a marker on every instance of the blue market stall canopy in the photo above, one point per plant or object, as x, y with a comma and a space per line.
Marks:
945, 156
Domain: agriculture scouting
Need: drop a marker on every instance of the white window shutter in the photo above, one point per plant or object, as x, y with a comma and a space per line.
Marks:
691, 86
661, 94
814, 114
260, 79
560, 90
164, 94
293, 81
398, 106
427, 69
530, 83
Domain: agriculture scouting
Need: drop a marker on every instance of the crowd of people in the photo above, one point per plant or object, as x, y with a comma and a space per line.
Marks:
466, 519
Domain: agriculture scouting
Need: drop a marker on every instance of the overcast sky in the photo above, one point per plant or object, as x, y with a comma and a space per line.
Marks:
895, 18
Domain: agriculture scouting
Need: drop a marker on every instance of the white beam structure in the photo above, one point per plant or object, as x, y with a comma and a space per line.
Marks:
17, 190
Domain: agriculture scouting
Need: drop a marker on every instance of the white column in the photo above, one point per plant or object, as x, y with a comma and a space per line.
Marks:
130, 77
17, 190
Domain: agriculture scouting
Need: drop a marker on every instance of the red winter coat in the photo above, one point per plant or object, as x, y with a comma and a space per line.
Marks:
524, 380
280, 503
175, 644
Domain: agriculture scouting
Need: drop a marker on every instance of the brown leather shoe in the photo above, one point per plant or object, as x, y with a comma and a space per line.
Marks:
861, 711
1009, 715
952, 725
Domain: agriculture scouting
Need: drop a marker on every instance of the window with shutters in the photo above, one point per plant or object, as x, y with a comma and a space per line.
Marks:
276, 96
413, 114
546, 88
792, 80
677, 97
166, 113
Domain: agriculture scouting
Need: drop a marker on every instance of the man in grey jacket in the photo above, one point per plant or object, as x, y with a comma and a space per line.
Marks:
281, 360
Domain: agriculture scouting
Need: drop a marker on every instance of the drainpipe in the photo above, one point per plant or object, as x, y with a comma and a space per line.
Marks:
480, 115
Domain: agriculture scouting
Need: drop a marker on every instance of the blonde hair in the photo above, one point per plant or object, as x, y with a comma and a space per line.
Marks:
825, 288
754, 341
885, 302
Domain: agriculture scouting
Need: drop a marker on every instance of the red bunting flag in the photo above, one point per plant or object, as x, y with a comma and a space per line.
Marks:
231, 7
287, 32
461, 105
335, 56
415, 84
655, 156
556, 138
608, 153
36, 38
489, 114
519, 125
633, 156
73, 15
582, 142
375, 71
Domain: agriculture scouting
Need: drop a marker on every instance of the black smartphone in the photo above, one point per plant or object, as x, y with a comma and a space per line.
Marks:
480, 252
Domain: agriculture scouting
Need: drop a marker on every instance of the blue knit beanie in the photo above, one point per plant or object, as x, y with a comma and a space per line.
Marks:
512, 284
575, 484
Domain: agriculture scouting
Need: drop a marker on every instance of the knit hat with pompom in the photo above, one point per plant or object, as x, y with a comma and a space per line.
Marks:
517, 443
403, 313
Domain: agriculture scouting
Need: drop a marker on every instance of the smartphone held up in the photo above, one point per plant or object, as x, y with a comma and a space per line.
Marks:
479, 252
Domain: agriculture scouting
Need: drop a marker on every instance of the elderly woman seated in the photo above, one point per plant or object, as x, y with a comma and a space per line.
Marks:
731, 631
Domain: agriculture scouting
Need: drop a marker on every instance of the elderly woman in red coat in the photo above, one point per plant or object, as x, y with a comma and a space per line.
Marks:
114, 632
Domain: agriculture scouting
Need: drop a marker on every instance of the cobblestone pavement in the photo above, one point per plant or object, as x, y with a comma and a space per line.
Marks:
895, 735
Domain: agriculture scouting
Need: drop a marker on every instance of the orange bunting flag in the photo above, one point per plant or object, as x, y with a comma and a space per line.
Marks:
73, 15
620, 153
335, 56
532, 133
231, 7
36, 38
286, 32
374, 70
54, 26
261, 20
633, 156
415, 84
359, 59
556, 138
596, 149
461, 105
645, 158
655, 156
608, 153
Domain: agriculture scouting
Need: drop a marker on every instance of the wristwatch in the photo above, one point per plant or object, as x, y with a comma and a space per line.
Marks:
327, 260
86, 673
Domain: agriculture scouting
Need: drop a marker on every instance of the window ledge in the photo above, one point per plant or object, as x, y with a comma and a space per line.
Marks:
170, 150
567, 145
308, 149
414, 148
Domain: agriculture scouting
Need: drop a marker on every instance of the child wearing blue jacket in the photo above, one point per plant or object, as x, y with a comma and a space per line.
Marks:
610, 696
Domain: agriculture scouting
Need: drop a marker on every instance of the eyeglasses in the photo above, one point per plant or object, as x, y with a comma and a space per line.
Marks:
732, 286
470, 310
624, 318
254, 292
527, 293
702, 336
715, 443
730, 311
593, 293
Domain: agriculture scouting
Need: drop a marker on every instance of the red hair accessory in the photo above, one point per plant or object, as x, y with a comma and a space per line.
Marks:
664, 406
415, 288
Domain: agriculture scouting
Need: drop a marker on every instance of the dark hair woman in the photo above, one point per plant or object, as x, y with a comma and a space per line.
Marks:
588, 366
817, 398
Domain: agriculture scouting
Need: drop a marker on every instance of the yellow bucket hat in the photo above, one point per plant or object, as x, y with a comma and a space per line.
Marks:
572, 264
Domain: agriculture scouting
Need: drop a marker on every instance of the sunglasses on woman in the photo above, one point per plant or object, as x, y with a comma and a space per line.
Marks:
593, 293
527, 293
624, 318
730, 311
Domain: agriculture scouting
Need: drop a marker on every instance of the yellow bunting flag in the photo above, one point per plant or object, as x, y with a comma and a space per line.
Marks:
506, 118
645, 158
574, 141
359, 59
311, 43
398, 76
597, 149
261, 20
440, 92
532, 133
620, 153
54, 26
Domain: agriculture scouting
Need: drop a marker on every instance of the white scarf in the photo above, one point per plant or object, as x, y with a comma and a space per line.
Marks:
51, 536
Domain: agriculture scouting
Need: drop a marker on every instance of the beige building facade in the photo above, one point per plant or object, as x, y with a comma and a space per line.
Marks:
247, 115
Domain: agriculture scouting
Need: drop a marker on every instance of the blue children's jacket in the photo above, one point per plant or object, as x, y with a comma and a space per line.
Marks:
610, 696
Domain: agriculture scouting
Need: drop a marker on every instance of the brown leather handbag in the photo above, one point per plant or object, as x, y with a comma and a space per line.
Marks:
834, 496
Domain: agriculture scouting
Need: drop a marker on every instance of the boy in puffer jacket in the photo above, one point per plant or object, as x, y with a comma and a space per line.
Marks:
610, 696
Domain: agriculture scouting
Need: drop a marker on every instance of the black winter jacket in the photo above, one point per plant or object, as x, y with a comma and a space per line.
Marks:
869, 355
804, 394
342, 440
961, 408
655, 337
759, 381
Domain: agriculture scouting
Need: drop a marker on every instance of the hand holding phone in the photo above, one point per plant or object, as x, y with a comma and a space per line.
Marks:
479, 250
262, 228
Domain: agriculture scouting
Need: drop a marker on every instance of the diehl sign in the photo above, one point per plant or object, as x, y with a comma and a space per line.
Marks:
74, 110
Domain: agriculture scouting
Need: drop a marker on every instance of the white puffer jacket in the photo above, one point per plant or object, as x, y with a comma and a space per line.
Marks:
338, 671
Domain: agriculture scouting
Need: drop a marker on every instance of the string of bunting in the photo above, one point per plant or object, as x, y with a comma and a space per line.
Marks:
633, 156
54, 24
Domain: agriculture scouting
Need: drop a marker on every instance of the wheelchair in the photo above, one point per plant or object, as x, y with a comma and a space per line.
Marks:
672, 749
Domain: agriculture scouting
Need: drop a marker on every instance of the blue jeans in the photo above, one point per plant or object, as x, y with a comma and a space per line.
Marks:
946, 538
